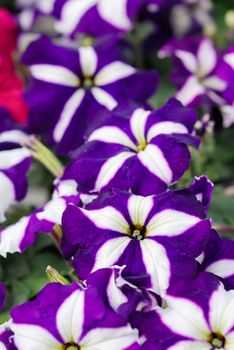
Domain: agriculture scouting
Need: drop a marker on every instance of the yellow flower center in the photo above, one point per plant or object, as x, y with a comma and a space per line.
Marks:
137, 232
217, 340
71, 346
141, 146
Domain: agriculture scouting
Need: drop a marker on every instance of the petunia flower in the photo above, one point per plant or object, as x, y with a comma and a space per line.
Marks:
202, 320
196, 75
218, 258
76, 16
202, 188
21, 235
15, 162
75, 318
156, 237
70, 86
133, 148
198, 315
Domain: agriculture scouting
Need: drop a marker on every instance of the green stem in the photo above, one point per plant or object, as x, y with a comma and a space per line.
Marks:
45, 156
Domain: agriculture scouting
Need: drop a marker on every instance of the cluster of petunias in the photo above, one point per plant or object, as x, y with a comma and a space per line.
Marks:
151, 272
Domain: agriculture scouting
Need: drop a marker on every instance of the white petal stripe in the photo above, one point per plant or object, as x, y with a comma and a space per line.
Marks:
12, 236
67, 114
190, 345
139, 208
190, 90
214, 83
153, 159
70, 317
221, 315
104, 98
15, 136
185, 318
113, 72
7, 195
88, 61
110, 169
166, 128
107, 218
229, 59
157, 264
137, 124
115, 13
170, 223
110, 252
10, 158
112, 134
207, 57
55, 75
223, 268
28, 337
72, 13
110, 338
188, 59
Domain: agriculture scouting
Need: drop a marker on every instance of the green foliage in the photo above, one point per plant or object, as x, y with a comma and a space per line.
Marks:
24, 274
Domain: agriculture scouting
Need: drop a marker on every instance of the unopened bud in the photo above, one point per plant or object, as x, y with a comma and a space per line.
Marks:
229, 19
54, 276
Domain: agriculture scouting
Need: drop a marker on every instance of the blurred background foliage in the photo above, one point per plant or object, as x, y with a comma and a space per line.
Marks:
24, 274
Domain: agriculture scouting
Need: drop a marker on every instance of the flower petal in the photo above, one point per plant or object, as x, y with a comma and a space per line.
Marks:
153, 159
221, 313
113, 72
67, 114
70, 317
110, 168
156, 264
54, 74
28, 337
185, 318
115, 13
137, 124
139, 208
166, 128
189, 91
88, 61
188, 59
170, 223
112, 134
223, 268
190, 345
110, 252
104, 98
110, 338
207, 57
107, 218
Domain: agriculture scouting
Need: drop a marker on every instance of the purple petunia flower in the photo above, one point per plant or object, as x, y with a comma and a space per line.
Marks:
15, 162
202, 188
76, 16
136, 149
199, 316
218, 258
156, 237
70, 86
6, 338
196, 76
76, 317
19, 236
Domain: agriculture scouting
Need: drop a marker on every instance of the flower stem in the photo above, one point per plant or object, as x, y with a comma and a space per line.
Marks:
45, 156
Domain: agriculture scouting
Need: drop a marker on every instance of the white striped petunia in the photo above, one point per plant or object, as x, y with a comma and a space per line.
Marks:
147, 234
199, 76
79, 84
77, 16
68, 322
143, 151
